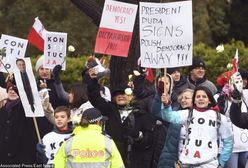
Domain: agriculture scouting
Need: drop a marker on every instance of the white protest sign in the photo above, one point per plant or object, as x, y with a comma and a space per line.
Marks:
116, 27
166, 34
27, 87
118, 15
14, 48
55, 49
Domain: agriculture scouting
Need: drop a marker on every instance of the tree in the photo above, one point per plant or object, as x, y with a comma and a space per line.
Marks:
119, 67
238, 20
17, 17
218, 20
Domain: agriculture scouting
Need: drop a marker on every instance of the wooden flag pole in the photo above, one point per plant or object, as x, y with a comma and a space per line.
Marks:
165, 72
37, 130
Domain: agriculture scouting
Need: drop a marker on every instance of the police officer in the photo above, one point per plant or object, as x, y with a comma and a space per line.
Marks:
89, 147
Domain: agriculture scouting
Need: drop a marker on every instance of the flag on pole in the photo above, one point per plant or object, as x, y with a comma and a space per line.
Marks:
37, 34
235, 62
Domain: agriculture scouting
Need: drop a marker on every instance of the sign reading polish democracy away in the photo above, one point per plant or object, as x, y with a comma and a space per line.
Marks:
55, 49
116, 27
166, 34
14, 48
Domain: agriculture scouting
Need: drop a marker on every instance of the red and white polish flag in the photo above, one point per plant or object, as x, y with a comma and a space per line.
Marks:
37, 34
235, 62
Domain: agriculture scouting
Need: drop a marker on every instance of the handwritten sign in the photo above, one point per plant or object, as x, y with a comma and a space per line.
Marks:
166, 34
14, 48
115, 31
55, 49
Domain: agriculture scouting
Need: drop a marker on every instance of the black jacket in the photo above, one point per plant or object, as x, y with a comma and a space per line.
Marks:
239, 119
122, 133
17, 135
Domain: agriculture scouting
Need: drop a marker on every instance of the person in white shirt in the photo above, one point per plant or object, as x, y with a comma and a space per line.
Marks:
203, 128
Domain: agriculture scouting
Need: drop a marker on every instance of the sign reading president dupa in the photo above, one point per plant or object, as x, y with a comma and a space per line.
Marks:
116, 27
166, 34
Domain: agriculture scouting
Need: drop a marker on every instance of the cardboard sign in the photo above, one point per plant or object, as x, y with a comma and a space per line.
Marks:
166, 34
27, 87
116, 27
55, 50
14, 48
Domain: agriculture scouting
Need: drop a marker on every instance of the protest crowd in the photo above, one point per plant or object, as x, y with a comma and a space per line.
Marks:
173, 120
167, 120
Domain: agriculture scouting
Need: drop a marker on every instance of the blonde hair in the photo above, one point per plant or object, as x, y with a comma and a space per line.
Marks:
180, 97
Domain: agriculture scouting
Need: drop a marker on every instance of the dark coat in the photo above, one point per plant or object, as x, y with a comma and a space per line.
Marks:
202, 82
141, 152
178, 87
17, 135
156, 111
237, 117
54, 99
169, 154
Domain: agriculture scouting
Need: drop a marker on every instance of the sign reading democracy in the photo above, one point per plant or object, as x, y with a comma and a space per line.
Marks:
166, 34
116, 27
14, 48
55, 49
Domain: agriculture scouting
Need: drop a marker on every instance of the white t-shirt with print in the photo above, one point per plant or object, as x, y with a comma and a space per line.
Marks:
53, 141
202, 144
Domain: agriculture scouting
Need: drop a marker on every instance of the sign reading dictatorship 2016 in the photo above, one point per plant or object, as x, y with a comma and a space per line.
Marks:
116, 27
14, 48
166, 34
55, 49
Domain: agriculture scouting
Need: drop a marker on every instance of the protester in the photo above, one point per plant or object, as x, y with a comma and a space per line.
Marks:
169, 149
57, 95
89, 147
175, 138
102, 73
78, 99
203, 127
17, 132
53, 140
128, 125
179, 84
237, 117
240, 147
197, 76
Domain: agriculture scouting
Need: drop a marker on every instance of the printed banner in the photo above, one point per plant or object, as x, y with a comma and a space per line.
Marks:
116, 27
27, 87
166, 34
55, 50
14, 48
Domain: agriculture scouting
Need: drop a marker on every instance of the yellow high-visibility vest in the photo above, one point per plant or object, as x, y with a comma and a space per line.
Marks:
88, 148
